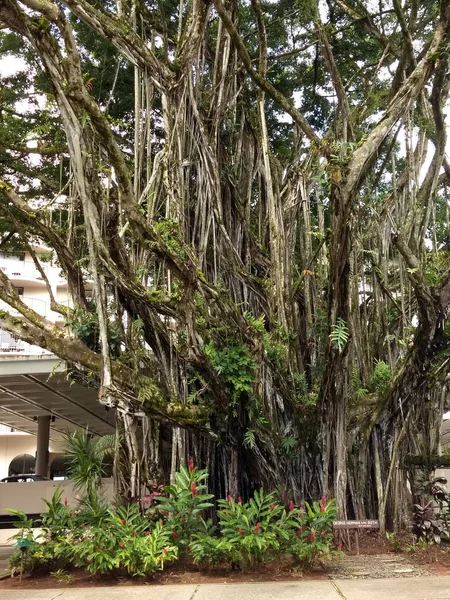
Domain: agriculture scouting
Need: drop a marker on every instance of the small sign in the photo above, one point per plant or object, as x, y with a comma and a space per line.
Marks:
24, 543
362, 524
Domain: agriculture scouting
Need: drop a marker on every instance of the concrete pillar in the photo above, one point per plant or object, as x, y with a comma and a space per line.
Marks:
43, 438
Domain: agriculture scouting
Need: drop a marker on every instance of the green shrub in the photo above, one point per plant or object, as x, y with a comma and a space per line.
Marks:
263, 529
381, 377
117, 547
98, 539
16, 562
40, 553
62, 576
49, 555
184, 504
256, 531
313, 539
104, 539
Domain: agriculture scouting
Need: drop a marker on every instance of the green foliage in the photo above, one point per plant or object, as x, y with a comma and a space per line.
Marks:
419, 544
147, 390
395, 542
250, 439
275, 342
305, 398
381, 377
62, 576
301, 384
437, 265
23, 523
314, 539
339, 335
340, 153
439, 227
85, 457
250, 533
18, 562
209, 550
92, 509
236, 366
40, 25
140, 555
288, 445
84, 325
101, 64
263, 529
357, 386
168, 229
124, 539
42, 552
123, 543
57, 516
185, 503
257, 323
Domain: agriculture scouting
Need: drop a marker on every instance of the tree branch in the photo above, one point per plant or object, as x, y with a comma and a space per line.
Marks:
362, 157
36, 330
115, 30
49, 235
261, 81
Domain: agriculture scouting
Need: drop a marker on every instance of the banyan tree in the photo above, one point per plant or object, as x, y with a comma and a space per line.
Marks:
257, 194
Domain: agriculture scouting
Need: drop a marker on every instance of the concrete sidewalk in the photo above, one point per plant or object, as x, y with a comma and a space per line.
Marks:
422, 588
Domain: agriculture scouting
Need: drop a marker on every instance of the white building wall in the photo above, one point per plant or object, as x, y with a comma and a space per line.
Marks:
28, 497
24, 276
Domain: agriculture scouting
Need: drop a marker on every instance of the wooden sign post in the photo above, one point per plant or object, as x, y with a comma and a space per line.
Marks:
356, 526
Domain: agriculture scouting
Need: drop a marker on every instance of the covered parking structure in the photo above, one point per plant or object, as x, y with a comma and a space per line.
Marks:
37, 398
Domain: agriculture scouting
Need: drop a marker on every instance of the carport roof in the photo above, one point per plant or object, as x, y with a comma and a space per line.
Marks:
31, 386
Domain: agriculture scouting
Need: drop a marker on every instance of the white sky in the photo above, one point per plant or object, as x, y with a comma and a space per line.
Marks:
10, 65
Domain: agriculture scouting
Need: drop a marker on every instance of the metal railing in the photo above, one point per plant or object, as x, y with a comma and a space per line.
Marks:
22, 269
42, 307
9, 344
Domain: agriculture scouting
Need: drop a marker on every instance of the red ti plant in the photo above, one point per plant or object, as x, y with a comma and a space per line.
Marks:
184, 503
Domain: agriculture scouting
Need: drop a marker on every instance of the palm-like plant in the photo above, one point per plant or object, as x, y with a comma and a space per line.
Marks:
85, 459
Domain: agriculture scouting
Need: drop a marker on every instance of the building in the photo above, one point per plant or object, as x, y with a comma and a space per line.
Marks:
37, 401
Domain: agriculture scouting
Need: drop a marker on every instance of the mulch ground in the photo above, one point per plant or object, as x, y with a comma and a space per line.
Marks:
177, 573
433, 560
376, 559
